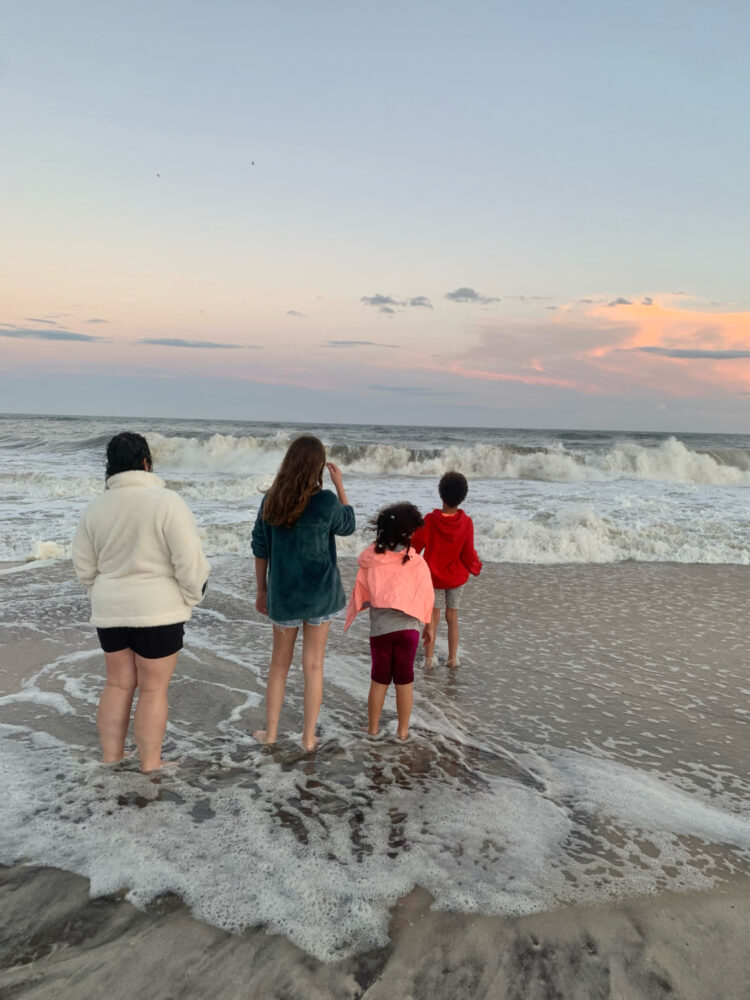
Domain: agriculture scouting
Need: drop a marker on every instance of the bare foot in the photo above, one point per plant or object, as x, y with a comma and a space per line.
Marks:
261, 735
311, 746
161, 766
428, 662
453, 663
403, 736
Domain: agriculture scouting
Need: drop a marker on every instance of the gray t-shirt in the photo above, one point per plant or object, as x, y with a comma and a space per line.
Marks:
384, 620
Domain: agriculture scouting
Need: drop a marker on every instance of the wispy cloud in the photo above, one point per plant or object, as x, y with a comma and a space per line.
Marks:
28, 333
465, 294
36, 319
203, 344
387, 304
383, 303
525, 378
620, 301
294, 312
528, 298
689, 352
642, 348
96, 319
356, 343
415, 390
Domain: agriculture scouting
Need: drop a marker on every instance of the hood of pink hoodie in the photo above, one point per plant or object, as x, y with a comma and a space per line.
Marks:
370, 557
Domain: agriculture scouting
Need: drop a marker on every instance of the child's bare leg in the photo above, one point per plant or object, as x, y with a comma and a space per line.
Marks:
375, 702
314, 638
281, 659
150, 722
429, 647
113, 717
404, 702
451, 616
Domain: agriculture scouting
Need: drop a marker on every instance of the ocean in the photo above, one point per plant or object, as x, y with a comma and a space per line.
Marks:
539, 497
592, 746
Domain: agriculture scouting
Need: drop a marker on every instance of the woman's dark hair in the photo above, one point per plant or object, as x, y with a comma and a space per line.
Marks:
394, 527
453, 489
300, 475
128, 451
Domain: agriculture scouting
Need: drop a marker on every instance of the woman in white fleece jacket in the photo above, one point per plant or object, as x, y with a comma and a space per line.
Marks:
138, 553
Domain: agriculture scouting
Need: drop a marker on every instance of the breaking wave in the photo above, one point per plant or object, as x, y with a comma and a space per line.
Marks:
669, 461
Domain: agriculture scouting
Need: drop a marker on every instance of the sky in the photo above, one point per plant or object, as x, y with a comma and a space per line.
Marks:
487, 214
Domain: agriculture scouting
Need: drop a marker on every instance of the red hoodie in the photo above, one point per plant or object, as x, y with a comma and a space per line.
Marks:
448, 543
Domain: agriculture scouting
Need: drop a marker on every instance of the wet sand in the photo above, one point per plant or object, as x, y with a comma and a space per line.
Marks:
58, 942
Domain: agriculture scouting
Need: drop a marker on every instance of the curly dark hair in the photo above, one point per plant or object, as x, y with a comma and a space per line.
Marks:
453, 489
394, 527
127, 451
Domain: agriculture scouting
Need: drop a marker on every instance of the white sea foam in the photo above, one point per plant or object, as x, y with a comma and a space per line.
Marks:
578, 534
48, 550
669, 461
45, 698
498, 849
535, 497
48, 485
221, 452
641, 799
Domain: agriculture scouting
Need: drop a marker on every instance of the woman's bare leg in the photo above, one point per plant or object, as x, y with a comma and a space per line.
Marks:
150, 722
429, 647
375, 702
113, 716
314, 639
281, 660
451, 616
404, 701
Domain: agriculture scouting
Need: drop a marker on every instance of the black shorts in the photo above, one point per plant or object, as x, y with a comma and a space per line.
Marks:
151, 643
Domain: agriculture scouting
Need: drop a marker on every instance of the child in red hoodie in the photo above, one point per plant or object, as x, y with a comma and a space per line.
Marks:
447, 539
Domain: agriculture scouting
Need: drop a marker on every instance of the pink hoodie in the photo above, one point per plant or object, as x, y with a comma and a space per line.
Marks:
384, 580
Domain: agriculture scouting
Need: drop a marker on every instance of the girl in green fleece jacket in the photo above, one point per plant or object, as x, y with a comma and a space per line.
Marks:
298, 582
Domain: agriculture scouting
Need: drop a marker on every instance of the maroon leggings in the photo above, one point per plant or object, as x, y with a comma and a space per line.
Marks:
393, 656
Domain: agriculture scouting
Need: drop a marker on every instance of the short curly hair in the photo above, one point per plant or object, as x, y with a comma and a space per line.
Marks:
394, 527
453, 489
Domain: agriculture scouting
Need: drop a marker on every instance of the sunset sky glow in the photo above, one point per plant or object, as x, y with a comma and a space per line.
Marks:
494, 214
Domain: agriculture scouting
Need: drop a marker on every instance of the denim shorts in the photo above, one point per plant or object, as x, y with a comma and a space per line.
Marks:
298, 622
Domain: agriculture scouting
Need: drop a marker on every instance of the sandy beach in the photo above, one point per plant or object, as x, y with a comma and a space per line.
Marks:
57, 942
593, 744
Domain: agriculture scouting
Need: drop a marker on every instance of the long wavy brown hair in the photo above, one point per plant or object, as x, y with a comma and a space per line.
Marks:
300, 475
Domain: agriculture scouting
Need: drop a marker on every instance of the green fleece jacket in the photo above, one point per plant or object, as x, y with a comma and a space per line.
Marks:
303, 576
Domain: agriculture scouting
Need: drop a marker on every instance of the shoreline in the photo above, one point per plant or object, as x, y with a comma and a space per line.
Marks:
55, 939
567, 656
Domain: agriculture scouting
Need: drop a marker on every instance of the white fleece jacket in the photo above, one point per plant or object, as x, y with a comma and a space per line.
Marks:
138, 552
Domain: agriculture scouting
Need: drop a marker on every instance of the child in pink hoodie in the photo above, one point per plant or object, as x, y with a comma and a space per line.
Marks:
395, 583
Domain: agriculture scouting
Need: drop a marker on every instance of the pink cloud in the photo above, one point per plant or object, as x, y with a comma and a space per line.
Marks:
594, 347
